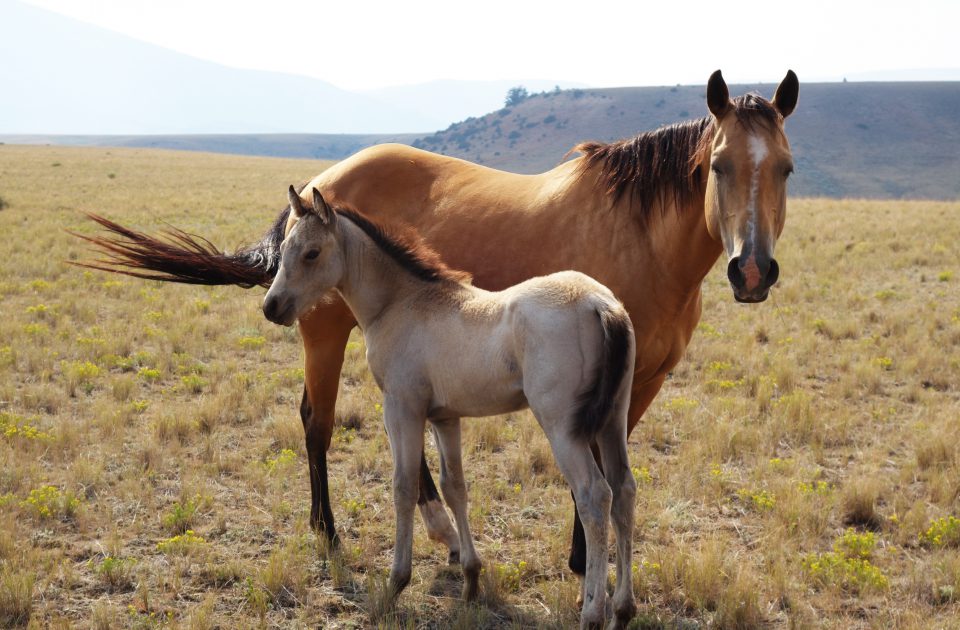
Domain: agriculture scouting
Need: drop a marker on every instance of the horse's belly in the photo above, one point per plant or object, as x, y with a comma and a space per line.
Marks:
476, 398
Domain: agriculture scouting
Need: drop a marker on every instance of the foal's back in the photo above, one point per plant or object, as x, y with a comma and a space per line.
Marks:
473, 352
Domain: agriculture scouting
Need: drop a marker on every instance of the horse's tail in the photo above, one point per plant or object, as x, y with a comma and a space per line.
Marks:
613, 366
177, 256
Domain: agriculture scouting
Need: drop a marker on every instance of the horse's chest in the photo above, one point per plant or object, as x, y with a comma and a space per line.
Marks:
660, 347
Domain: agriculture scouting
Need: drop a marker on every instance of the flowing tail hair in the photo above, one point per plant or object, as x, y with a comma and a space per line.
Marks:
177, 256
597, 402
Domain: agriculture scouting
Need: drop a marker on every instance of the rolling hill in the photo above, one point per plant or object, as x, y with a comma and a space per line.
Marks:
876, 140
869, 140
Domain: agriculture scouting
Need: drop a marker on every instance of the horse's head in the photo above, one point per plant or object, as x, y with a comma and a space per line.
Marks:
749, 159
311, 262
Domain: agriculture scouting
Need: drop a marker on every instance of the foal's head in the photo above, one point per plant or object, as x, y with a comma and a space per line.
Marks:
749, 159
311, 262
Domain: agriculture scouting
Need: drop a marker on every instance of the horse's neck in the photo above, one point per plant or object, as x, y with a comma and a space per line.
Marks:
371, 281
680, 253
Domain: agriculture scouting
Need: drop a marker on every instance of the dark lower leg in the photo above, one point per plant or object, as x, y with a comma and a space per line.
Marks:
434, 515
428, 490
578, 544
321, 515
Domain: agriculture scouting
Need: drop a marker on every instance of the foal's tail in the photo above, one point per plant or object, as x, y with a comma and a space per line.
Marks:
613, 366
181, 257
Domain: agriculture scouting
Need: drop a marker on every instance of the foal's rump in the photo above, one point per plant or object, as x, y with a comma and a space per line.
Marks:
576, 337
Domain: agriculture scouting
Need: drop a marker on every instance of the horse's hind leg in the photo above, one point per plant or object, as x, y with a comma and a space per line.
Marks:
325, 331
454, 488
434, 515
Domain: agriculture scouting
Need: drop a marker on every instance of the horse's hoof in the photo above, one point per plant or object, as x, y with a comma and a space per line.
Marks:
470, 590
453, 558
624, 615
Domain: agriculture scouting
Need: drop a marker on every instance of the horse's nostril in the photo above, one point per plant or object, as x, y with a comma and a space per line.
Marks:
270, 307
774, 273
734, 274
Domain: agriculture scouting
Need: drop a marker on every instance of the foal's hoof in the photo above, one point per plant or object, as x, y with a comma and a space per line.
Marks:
453, 558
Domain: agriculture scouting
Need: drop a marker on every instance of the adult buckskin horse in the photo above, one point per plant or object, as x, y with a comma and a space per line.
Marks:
648, 217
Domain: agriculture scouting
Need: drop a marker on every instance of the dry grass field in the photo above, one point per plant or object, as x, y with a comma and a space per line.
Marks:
800, 468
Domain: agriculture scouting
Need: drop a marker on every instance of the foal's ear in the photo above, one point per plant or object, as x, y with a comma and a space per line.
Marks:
321, 209
785, 99
718, 96
295, 204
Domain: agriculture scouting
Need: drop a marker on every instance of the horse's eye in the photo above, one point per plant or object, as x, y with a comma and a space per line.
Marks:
787, 172
717, 170
312, 254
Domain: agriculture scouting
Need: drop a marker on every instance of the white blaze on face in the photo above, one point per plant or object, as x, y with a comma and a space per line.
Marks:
757, 149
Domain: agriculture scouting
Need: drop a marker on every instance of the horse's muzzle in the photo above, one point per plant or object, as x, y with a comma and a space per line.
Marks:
278, 311
752, 277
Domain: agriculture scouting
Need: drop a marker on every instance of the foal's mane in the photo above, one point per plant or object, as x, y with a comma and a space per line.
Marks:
664, 165
406, 247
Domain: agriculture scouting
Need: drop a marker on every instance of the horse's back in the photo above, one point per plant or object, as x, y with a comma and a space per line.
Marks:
399, 182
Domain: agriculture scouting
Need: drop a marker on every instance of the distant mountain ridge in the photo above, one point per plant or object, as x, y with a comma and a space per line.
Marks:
113, 84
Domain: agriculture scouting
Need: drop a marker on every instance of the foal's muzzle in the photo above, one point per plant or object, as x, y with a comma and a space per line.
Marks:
278, 311
751, 277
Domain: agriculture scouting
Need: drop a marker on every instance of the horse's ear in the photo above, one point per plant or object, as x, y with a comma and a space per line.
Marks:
295, 204
321, 208
718, 96
785, 99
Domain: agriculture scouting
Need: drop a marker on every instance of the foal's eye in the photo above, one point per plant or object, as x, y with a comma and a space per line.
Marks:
312, 254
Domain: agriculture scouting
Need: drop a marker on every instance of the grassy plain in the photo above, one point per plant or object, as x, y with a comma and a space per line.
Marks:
800, 468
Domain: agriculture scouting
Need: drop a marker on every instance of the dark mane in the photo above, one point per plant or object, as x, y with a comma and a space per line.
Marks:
405, 246
664, 165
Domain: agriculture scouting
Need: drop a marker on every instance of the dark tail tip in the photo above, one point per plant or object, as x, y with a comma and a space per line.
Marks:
596, 404
177, 256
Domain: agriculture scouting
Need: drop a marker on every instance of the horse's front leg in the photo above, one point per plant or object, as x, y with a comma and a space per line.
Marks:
325, 331
405, 424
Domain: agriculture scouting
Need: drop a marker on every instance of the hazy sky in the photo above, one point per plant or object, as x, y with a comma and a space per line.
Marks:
358, 44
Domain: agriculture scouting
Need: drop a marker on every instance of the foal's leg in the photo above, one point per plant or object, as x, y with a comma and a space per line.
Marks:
593, 498
640, 400
405, 429
455, 492
324, 331
434, 515
612, 441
